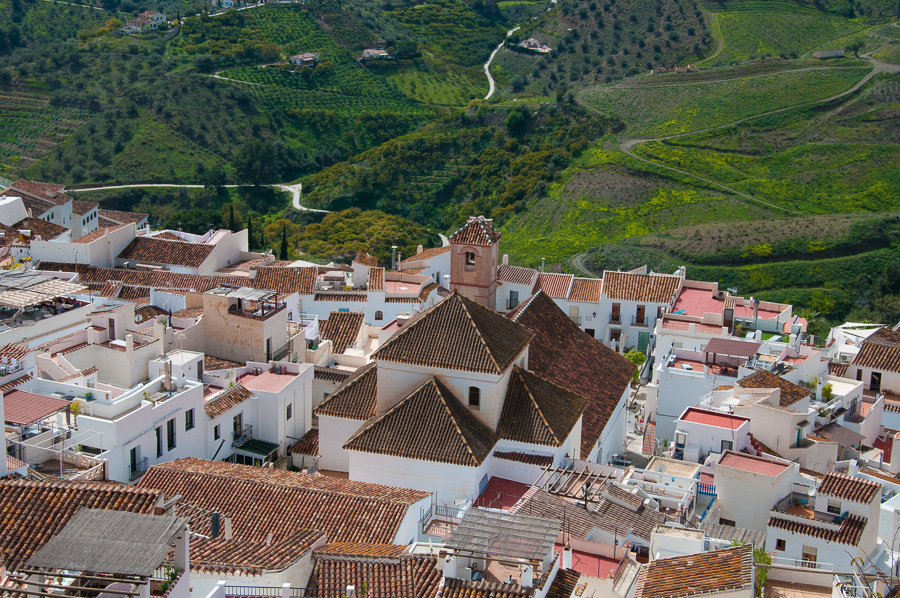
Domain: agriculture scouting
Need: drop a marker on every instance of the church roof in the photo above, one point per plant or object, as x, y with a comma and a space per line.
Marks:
537, 411
478, 230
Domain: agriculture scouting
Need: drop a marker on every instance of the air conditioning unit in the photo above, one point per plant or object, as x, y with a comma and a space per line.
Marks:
2, 370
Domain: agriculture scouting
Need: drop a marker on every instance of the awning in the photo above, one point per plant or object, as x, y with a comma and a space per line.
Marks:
839, 434
23, 408
803, 424
258, 447
730, 346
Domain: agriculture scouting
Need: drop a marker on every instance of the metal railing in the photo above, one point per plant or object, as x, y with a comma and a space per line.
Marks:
242, 436
278, 592
789, 562
615, 318
645, 321
136, 470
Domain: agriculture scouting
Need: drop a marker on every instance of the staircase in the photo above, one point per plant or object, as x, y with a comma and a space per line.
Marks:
649, 445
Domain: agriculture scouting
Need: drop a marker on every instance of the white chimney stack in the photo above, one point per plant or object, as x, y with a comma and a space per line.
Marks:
527, 576
450, 566
505, 259
567, 557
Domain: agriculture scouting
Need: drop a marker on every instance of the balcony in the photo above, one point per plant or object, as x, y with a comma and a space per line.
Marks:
242, 437
615, 318
262, 313
136, 470
640, 321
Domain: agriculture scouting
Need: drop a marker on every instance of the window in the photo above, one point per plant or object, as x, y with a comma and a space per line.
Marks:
379, 316
727, 445
189, 420
470, 261
728, 522
170, 434
680, 439
834, 507
513, 299
474, 396
217, 432
290, 411
809, 554
159, 449
781, 545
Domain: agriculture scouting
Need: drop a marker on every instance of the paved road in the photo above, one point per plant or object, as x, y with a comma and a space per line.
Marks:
296, 192
487, 65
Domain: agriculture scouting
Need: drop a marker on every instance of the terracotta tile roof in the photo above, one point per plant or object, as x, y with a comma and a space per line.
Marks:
330, 374
527, 458
426, 290
51, 192
24, 408
83, 207
555, 285
847, 487
93, 236
261, 501
341, 328
225, 400
119, 217
8, 386
430, 424
376, 279
34, 512
587, 290
478, 230
564, 583
168, 236
286, 280
517, 275
308, 444
12, 463
458, 334
790, 392
563, 354
366, 259
41, 228
81, 374
881, 351
849, 533
463, 588
38, 207
146, 313
427, 254
537, 411
361, 549
12, 351
190, 312
158, 251
343, 297
838, 369
217, 363
651, 288
251, 557
725, 570
406, 300
355, 398
384, 577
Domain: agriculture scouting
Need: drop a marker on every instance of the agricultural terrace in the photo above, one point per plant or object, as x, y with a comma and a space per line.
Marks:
652, 111
755, 29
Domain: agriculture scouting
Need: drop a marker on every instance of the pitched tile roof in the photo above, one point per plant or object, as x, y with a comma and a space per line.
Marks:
159, 251
725, 570
261, 501
148, 312
563, 354
8, 386
93, 236
527, 458
849, 533
308, 444
587, 290
564, 583
23, 408
881, 351
217, 363
12, 351
33, 512
478, 230
330, 374
426, 254
652, 288
463, 588
251, 557
517, 275
357, 549
343, 297
286, 280
555, 285
537, 411
366, 259
838, 369
41, 228
225, 400
83, 207
341, 328
790, 392
847, 487
355, 398
120, 217
458, 334
51, 192
376, 279
387, 576
430, 424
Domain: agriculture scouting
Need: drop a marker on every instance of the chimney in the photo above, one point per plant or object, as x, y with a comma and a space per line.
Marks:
543, 263
394, 257
129, 342
214, 526
527, 576
419, 249
226, 527
351, 592
567, 557
820, 384
505, 259
450, 566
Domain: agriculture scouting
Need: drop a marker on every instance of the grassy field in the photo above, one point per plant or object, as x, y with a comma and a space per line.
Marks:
676, 109
757, 29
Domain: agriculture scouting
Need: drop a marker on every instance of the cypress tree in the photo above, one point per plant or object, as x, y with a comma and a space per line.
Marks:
283, 254
231, 217
250, 238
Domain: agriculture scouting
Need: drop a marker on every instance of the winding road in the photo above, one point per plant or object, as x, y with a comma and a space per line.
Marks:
487, 65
